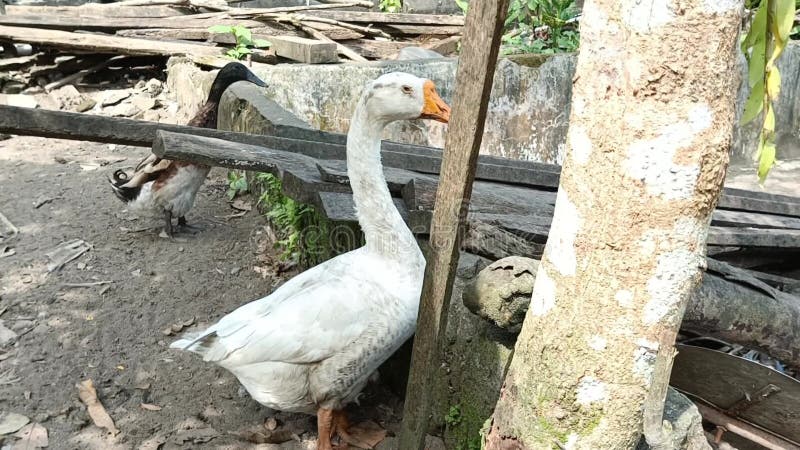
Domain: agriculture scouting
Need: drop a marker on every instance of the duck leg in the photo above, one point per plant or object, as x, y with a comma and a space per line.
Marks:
168, 222
341, 426
182, 223
324, 429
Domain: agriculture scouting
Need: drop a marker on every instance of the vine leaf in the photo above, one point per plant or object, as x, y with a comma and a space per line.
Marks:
773, 83
766, 160
755, 103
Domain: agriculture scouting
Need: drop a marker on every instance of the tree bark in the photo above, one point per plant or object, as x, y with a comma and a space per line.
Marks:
651, 125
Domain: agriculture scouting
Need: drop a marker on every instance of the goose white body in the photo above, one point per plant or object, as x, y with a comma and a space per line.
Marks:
314, 342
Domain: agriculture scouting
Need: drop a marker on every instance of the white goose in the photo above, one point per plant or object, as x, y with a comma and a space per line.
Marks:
311, 345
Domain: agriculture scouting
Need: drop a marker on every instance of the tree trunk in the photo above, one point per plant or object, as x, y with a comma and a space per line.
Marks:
651, 125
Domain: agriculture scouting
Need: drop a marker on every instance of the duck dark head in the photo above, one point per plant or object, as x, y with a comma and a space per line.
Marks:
231, 73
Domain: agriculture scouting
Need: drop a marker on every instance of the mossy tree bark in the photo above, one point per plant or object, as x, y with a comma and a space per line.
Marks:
651, 125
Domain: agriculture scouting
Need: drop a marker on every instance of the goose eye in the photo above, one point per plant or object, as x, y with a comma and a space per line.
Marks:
407, 90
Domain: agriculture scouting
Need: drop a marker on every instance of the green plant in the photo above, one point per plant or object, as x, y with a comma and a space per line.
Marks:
463, 5
391, 6
302, 233
541, 26
768, 35
453, 416
244, 40
237, 183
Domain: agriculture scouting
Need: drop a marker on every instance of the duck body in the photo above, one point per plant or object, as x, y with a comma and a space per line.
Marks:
313, 343
164, 188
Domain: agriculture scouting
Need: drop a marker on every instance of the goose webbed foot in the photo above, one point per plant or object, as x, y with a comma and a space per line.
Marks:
356, 436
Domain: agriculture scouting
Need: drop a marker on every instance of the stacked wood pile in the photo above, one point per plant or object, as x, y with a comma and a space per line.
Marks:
181, 27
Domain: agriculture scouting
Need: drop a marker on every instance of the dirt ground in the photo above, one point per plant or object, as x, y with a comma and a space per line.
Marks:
114, 334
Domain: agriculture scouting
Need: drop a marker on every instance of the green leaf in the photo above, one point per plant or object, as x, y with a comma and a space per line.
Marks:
755, 103
769, 122
766, 160
758, 28
784, 16
243, 50
261, 43
773, 83
243, 35
758, 61
221, 29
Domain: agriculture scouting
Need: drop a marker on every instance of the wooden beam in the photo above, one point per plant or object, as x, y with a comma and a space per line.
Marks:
319, 144
398, 18
100, 23
744, 429
105, 44
202, 34
94, 9
483, 30
304, 50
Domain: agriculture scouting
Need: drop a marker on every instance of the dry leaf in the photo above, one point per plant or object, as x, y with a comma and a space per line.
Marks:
150, 407
241, 205
367, 434
270, 424
31, 436
11, 422
97, 412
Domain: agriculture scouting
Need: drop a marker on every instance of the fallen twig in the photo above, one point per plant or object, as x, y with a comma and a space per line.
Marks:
77, 76
365, 4
249, 13
81, 285
348, 52
300, 18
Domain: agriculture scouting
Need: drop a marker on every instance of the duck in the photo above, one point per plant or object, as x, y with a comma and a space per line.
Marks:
165, 188
312, 344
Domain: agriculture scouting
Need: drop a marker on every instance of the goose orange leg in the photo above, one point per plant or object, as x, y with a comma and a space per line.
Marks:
325, 429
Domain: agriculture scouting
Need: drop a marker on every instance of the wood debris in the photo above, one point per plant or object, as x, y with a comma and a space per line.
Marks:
97, 412
306, 33
66, 252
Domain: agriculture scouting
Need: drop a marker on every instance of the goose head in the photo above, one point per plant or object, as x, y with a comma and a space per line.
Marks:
231, 73
402, 96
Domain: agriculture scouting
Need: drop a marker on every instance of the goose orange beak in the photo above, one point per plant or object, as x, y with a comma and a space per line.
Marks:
434, 107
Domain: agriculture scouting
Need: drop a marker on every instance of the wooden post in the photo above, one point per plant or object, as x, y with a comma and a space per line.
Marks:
481, 45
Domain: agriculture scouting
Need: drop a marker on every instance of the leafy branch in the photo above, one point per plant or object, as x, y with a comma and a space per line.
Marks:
768, 35
244, 40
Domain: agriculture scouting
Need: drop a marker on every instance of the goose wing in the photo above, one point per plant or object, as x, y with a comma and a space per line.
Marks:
310, 318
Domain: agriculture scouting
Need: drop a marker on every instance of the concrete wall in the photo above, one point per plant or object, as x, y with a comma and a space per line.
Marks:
528, 111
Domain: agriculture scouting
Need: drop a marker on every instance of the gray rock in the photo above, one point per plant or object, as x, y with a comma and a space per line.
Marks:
683, 424
6, 335
501, 293
113, 97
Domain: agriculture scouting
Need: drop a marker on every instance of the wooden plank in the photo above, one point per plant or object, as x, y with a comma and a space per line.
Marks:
100, 23
94, 9
105, 44
376, 49
421, 30
753, 237
728, 218
398, 18
202, 34
324, 145
772, 205
319, 144
304, 50
483, 30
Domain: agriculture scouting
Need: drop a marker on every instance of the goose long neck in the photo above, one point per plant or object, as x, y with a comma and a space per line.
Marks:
384, 229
